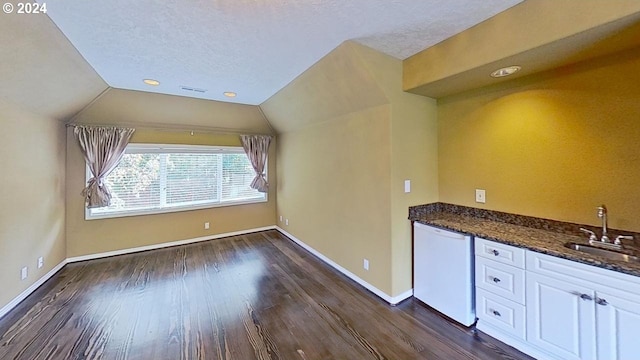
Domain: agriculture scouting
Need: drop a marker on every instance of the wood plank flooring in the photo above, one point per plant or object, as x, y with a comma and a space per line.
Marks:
256, 296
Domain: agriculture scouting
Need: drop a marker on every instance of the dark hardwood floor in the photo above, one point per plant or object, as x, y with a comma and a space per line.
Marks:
256, 296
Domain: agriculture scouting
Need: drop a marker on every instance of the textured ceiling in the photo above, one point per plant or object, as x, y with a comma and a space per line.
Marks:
252, 47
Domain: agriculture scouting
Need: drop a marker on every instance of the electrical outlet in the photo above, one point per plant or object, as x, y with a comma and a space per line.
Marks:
40, 262
365, 264
24, 273
206, 226
286, 222
280, 218
481, 196
407, 186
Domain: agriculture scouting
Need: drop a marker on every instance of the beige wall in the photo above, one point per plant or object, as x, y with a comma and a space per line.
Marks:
555, 145
32, 215
341, 175
95, 236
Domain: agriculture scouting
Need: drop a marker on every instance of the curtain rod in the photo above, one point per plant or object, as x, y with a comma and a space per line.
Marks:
195, 129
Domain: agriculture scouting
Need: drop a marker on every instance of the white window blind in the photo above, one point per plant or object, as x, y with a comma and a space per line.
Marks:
155, 178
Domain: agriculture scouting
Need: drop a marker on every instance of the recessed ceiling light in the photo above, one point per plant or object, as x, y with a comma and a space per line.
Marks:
229, 94
505, 71
151, 82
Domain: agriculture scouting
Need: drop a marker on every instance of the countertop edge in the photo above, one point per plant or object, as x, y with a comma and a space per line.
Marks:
568, 254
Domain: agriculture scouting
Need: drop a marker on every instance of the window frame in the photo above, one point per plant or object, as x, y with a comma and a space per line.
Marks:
140, 148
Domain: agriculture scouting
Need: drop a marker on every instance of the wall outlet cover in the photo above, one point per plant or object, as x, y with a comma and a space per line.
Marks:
24, 273
407, 186
365, 264
286, 222
206, 226
481, 196
40, 262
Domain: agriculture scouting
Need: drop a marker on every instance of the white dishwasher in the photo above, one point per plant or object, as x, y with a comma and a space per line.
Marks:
443, 272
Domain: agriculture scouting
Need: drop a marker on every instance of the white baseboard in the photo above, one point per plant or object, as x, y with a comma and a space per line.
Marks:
13, 303
18, 299
390, 299
165, 245
393, 300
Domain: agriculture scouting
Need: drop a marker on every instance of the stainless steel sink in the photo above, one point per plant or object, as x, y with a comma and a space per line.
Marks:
609, 254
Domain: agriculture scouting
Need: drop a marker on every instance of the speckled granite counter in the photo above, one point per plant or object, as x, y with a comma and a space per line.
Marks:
536, 234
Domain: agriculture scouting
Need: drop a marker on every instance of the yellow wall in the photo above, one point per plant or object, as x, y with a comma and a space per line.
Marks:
95, 236
554, 145
32, 216
334, 188
414, 157
342, 165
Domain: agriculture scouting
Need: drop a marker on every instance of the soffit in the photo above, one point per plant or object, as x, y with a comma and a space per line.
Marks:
541, 35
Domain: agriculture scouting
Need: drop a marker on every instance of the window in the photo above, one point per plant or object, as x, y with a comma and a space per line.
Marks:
165, 178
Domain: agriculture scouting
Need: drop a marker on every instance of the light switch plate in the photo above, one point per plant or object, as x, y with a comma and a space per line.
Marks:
407, 186
481, 196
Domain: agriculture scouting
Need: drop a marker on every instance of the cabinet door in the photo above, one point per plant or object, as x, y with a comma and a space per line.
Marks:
561, 317
618, 321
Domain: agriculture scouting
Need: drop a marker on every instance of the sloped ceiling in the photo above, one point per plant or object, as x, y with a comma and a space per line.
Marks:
252, 47
40, 70
338, 84
149, 110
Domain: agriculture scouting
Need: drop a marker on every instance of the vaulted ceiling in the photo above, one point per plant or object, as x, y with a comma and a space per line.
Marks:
93, 55
250, 47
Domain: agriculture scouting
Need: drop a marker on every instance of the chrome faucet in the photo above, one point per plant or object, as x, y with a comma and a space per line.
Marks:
602, 214
604, 239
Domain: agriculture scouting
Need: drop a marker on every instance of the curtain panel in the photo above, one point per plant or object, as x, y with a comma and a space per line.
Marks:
257, 148
102, 148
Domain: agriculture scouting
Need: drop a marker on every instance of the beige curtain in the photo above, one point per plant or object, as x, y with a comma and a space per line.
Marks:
257, 148
102, 148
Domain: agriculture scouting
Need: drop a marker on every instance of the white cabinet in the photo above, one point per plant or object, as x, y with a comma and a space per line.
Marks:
618, 319
499, 277
576, 311
502, 253
553, 308
499, 313
561, 317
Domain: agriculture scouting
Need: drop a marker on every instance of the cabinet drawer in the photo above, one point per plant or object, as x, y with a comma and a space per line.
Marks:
500, 279
505, 254
501, 313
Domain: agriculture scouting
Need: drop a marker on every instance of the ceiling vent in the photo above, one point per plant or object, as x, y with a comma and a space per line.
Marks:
189, 88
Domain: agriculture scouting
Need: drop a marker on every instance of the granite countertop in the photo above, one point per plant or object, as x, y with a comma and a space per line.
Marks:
536, 234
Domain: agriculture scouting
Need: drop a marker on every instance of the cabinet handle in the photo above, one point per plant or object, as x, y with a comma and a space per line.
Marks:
495, 312
585, 297
495, 279
495, 252
601, 301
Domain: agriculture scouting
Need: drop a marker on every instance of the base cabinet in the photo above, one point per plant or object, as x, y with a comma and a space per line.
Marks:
570, 310
618, 323
561, 317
